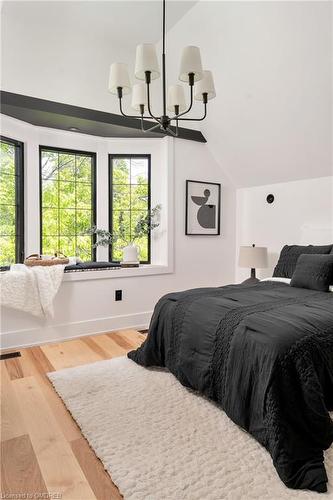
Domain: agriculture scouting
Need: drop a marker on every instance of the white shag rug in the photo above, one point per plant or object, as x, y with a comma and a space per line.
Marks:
160, 441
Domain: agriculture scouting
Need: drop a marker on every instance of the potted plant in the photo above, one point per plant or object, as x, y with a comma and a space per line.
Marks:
145, 224
103, 238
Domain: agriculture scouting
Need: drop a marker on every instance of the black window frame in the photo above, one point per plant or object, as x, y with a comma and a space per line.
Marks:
93, 156
113, 156
19, 197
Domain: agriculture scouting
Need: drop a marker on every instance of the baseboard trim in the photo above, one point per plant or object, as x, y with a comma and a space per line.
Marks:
18, 339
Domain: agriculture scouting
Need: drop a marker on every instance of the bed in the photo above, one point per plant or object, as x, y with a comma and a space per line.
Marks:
264, 353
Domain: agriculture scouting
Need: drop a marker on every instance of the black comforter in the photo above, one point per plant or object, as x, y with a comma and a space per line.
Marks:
263, 352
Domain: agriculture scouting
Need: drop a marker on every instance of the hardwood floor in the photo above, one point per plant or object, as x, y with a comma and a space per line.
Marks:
42, 448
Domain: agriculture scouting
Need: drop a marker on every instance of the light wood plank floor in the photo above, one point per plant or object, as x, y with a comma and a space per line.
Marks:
42, 448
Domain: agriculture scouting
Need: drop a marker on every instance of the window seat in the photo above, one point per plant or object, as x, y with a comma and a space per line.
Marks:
91, 266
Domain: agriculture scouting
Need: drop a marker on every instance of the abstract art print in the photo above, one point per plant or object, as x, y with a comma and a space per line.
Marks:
203, 200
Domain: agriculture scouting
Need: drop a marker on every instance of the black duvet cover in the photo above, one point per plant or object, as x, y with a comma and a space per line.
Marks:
263, 352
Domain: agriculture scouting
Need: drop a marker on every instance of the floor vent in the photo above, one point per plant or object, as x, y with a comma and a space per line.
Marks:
9, 355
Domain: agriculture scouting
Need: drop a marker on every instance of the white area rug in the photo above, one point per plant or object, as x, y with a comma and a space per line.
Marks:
159, 441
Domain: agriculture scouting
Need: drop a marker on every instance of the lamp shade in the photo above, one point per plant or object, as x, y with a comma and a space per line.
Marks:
119, 78
139, 96
176, 97
146, 60
190, 63
205, 86
253, 257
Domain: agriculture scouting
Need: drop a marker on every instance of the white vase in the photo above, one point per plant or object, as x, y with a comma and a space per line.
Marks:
130, 253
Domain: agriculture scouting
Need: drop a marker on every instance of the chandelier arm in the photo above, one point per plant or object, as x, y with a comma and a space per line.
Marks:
128, 116
195, 119
188, 109
148, 129
174, 134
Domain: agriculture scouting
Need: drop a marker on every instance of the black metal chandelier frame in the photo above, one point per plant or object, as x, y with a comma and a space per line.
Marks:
164, 121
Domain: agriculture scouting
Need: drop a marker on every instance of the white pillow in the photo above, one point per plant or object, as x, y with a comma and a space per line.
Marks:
282, 280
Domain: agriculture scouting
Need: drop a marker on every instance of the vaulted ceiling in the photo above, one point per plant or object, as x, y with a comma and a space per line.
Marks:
272, 61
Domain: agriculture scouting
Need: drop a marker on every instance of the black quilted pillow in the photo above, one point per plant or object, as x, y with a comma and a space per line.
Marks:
314, 272
289, 256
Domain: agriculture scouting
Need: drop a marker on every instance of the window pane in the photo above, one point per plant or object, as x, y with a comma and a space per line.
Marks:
7, 164
50, 245
84, 247
49, 165
121, 197
66, 167
50, 221
121, 222
136, 218
7, 220
7, 189
139, 197
142, 244
83, 169
67, 222
83, 195
139, 171
67, 246
7, 250
83, 221
50, 193
121, 168
69, 192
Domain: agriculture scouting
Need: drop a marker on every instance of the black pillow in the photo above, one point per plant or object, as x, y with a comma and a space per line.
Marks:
314, 272
289, 255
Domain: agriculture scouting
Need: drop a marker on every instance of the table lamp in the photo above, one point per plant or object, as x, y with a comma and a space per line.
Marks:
253, 257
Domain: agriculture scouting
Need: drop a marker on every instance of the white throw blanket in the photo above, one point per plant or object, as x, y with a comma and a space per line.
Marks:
31, 289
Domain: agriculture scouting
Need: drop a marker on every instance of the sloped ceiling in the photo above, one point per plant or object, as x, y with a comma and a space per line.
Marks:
272, 118
272, 61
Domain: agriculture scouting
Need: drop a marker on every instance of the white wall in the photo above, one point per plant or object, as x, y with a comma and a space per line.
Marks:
88, 306
272, 62
301, 214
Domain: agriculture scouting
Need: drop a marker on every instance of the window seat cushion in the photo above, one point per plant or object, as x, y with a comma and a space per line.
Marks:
91, 266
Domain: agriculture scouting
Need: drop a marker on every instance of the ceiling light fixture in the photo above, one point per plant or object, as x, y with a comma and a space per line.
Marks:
147, 69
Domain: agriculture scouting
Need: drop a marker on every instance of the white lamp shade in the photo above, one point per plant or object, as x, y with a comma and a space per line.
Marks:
139, 96
205, 85
119, 78
176, 97
146, 60
253, 257
190, 63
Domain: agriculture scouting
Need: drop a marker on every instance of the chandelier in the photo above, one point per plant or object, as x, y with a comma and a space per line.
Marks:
201, 85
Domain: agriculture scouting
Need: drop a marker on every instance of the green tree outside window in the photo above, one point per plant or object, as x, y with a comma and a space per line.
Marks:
11, 197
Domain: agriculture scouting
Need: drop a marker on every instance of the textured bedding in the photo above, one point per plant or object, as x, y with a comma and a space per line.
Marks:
263, 352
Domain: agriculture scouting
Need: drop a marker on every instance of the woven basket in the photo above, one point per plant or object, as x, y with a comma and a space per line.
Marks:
36, 260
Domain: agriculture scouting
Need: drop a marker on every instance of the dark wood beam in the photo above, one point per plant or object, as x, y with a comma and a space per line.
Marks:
52, 114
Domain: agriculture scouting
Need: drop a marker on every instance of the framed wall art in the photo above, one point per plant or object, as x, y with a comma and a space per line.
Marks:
203, 208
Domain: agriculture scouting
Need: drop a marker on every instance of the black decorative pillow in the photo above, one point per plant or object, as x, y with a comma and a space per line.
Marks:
314, 272
289, 256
